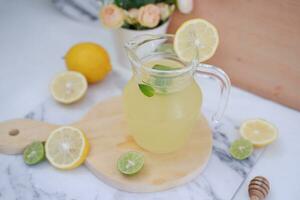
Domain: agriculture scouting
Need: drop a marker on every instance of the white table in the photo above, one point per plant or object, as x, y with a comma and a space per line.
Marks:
29, 60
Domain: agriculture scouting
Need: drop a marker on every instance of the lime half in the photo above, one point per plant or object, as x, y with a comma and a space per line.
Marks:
131, 162
34, 153
241, 149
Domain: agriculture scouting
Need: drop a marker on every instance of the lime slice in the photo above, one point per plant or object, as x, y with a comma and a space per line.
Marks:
34, 153
241, 149
196, 38
259, 132
130, 163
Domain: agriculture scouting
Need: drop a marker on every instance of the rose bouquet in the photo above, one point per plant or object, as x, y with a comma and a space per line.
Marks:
140, 14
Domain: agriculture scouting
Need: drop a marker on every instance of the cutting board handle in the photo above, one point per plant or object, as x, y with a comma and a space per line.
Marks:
16, 134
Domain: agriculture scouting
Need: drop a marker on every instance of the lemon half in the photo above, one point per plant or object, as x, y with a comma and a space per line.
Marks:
68, 87
259, 132
67, 147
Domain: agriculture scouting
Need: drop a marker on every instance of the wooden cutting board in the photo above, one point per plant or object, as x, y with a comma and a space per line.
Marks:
259, 44
107, 133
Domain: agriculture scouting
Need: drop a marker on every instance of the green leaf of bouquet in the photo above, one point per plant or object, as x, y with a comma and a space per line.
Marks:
128, 4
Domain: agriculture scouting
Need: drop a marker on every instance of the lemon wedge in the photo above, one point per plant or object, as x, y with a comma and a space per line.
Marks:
196, 38
68, 87
67, 147
259, 132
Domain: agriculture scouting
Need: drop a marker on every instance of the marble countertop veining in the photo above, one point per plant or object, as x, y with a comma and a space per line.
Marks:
33, 38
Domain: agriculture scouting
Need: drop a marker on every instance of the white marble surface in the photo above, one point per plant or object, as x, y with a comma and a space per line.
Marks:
34, 37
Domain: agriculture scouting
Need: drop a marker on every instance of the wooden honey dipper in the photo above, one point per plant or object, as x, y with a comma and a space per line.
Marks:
258, 188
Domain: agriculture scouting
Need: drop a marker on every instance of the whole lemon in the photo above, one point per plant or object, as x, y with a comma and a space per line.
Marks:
90, 59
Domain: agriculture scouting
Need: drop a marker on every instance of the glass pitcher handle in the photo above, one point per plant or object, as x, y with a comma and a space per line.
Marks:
225, 85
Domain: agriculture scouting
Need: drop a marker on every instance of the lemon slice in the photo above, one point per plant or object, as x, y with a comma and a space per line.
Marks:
68, 87
67, 147
259, 132
196, 38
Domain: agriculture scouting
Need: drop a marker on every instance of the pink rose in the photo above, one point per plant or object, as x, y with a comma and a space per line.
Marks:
149, 15
132, 15
165, 10
112, 16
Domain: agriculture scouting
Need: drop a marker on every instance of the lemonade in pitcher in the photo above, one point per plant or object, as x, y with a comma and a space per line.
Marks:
162, 101
162, 123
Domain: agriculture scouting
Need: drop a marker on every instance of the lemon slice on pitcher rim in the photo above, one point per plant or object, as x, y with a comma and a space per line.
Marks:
67, 147
259, 132
196, 38
68, 87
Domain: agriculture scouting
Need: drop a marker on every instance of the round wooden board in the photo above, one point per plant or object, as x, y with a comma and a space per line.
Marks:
106, 129
160, 171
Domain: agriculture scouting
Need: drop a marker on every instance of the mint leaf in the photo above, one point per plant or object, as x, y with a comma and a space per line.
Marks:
163, 82
164, 67
165, 48
147, 90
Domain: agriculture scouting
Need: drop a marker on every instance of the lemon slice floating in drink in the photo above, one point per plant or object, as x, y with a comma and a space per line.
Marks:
196, 38
68, 87
67, 147
259, 132
130, 163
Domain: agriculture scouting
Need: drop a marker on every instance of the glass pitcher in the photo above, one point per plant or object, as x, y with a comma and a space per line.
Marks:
162, 100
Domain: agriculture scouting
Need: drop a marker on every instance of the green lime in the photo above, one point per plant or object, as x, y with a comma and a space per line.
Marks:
131, 162
241, 149
34, 153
